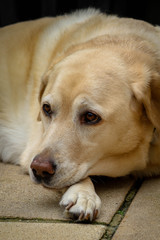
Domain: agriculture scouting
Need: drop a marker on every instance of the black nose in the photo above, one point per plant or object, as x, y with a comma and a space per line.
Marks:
43, 167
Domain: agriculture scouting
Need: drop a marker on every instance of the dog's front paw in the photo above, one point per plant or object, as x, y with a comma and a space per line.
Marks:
81, 204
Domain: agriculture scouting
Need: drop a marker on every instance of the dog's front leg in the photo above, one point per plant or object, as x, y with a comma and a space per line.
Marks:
81, 201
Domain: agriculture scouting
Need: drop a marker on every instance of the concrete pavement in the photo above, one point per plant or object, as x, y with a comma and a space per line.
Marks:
130, 210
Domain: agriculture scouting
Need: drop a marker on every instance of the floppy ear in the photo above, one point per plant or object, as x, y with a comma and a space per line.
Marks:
148, 93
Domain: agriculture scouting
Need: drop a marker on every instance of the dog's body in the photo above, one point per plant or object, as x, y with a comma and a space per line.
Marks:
80, 96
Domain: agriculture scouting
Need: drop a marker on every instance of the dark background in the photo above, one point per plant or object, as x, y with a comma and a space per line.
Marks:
12, 11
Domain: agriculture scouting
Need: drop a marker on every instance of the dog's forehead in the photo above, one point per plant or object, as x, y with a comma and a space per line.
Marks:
88, 69
93, 73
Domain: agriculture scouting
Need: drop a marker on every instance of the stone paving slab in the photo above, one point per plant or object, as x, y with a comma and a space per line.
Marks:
50, 231
20, 198
142, 221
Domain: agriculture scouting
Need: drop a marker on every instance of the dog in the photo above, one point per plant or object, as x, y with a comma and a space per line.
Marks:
80, 96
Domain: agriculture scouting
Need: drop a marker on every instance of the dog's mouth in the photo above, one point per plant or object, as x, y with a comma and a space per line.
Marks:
57, 175
52, 181
60, 179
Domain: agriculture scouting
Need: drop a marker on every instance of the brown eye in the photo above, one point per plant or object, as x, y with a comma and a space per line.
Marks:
90, 118
47, 109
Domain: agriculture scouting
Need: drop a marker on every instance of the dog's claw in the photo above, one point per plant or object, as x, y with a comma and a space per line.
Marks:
69, 206
95, 214
87, 217
81, 216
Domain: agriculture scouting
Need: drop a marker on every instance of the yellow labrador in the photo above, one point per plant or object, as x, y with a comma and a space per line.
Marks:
80, 96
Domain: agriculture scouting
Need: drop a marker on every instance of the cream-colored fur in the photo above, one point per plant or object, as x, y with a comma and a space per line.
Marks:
78, 63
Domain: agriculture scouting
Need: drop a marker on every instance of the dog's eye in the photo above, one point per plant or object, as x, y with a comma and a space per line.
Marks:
90, 118
47, 109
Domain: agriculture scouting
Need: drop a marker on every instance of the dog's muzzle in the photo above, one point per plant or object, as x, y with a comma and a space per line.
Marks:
43, 167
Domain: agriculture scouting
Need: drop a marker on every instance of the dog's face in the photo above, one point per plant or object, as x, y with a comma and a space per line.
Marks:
94, 122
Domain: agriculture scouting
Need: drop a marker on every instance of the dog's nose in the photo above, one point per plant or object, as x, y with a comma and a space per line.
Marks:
43, 167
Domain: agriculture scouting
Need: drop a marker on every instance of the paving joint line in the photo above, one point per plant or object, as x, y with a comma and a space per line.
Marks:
42, 220
32, 220
121, 212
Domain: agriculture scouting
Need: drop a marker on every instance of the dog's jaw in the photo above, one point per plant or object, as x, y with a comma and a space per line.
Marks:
64, 176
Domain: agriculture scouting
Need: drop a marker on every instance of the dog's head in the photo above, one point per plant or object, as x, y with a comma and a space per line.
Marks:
99, 105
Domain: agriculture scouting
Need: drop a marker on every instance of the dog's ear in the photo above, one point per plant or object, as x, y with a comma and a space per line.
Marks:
148, 94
